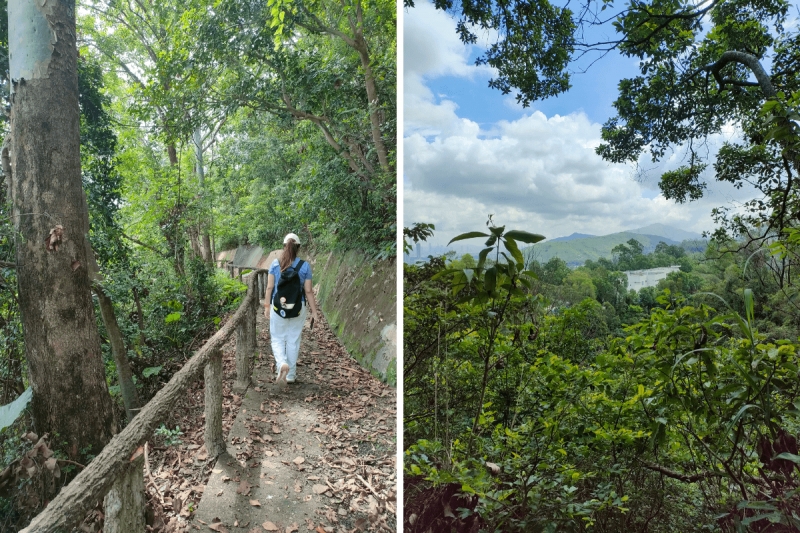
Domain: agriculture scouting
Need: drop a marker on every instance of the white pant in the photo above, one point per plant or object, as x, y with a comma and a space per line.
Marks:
285, 336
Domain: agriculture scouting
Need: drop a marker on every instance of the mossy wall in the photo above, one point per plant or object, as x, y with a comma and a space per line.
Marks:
358, 297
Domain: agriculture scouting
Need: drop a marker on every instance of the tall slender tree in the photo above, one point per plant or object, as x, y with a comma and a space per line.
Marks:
62, 345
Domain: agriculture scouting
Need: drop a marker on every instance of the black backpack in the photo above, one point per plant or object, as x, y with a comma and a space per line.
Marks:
288, 299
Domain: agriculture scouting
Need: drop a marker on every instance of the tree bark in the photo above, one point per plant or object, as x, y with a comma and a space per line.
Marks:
139, 316
372, 92
195, 243
51, 223
125, 504
120, 353
201, 178
215, 443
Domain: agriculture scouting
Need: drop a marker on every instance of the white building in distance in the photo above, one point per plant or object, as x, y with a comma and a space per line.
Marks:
639, 279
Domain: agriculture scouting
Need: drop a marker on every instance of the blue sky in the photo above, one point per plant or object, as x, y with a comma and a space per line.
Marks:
470, 150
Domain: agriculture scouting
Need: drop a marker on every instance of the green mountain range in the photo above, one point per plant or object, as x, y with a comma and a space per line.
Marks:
576, 249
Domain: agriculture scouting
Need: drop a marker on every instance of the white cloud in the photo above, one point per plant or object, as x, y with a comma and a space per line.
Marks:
537, 174
534, 173
432, 49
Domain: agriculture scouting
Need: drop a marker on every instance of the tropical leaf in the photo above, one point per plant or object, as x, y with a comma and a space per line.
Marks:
524, 236
469, 235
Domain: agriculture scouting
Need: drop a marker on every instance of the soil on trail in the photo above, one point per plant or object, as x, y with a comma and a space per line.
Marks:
316, 455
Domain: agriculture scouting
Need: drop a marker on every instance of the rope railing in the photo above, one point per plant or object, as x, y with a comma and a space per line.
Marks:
118, 467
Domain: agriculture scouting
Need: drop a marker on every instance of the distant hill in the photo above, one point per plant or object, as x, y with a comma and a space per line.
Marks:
576, 251
662, 230
571, 237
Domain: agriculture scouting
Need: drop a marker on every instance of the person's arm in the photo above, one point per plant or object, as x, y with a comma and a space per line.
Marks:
311, 299
268, 293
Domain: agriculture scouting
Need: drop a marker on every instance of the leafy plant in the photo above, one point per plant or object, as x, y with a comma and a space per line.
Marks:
171, 437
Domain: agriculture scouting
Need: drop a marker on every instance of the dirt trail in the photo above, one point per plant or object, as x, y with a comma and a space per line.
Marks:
317, 455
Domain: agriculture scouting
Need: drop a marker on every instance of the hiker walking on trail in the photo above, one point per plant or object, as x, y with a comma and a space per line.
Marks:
288, 292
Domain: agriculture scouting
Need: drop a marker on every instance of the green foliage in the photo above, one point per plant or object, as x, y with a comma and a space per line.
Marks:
102, 181
535, 48
170, 437
418, 232
701, 77
558, 418
151, 371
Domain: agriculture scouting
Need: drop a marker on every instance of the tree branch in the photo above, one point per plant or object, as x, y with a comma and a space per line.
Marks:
677, 475
743, 58
145, 245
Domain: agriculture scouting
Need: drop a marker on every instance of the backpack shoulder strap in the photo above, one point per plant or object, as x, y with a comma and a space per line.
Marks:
299, 265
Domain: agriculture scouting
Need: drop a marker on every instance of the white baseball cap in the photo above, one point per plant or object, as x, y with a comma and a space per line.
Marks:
291, 236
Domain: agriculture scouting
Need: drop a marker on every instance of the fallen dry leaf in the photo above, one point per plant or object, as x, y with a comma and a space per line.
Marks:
202, 454
255, 503
269, 526
218, 526
291, 529
299, 460
244, 488
319, 489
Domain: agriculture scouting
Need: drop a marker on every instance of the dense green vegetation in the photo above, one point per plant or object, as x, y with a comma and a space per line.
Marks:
562, 401
205, 126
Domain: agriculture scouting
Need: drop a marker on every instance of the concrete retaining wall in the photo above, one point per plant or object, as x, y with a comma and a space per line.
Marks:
358, 297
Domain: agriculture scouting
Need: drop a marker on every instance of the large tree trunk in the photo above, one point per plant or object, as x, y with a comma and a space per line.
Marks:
51, 220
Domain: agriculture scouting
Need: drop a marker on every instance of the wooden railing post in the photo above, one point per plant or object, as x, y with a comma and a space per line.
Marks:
264, 282
215, 444
252, 318
125, 502
245, 335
